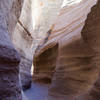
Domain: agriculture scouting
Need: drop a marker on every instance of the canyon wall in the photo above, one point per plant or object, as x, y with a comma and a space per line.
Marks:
10, 88
76, 68
64, 56
78, 60
22, 40
35, 21
90, 34
70, 20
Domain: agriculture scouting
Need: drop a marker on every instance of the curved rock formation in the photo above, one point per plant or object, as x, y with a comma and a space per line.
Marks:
9, 58
76, 62
22, 39
91, 36
36, 19
64, 55
45, 64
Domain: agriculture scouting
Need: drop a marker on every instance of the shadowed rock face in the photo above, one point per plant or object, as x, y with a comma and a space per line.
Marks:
91, 35
45, 64
9, 58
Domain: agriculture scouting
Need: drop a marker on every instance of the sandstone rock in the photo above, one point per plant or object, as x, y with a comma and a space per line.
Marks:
62, 52
12, 10
9, 70
90, 34
45, 64
75, 55
36, 19
77, 71
9, 58
23, 41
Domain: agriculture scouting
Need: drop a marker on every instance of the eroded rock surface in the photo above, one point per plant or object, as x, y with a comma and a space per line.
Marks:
91, 36
22, 39
36, 19
63, 54
9, 58
45, 64
75, 71
77, 61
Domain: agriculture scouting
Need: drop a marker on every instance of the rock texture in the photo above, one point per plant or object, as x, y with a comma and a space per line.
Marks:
36, 19
9, 58
91, 36
76, 70
77, 60
63, 53
22, 39
45, 64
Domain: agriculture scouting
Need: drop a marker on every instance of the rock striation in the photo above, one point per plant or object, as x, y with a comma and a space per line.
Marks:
90, 35
62, 42
76, 53
9, 58
36, 19
22, 40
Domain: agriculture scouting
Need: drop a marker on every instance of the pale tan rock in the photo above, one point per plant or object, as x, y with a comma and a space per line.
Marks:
36, 18
22, 40
63, 53
75, 65
77, 68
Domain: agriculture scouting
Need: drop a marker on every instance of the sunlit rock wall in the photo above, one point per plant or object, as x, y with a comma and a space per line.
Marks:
74, 67
36, 19
68, 24
23, 40
77, 59
12, 9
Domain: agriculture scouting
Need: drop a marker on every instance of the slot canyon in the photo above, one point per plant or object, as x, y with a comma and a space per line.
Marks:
49, 49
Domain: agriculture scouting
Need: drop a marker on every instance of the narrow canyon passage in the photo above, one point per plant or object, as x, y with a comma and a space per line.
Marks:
49, 49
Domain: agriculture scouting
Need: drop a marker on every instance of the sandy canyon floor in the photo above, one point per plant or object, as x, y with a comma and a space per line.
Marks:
37, 92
